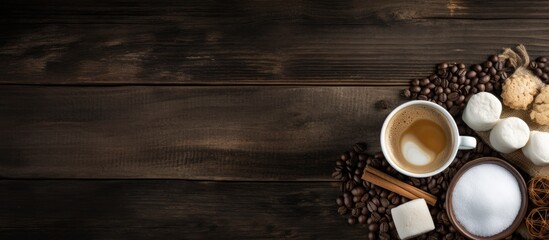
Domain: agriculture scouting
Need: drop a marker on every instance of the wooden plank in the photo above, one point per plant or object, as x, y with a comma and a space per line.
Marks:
255, 53
223, 133
188, 209
210, 12
256, 42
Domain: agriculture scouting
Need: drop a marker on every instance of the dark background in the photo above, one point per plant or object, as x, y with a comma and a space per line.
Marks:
213, 119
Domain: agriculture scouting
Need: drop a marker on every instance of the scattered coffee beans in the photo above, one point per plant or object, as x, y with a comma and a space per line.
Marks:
451, 85
540, 68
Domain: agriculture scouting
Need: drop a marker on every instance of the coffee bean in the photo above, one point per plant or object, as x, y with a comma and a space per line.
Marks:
339, 201
337, 175
445, 218
376, 216
385, 202
422, 97
345, 156
453, 69
487, 64
365, 198
493, 71
489, 87
349, 185
384, 236
437, 81
352, 220
356, 199
374, 227
477, 68
484, 79
493, 58
342, 210
371, 207
503, 75
371, 236
384, 227
498, 66
545, 77
365, 211
474, 90
541, 65
395, 201
481, 87
355, 212
348, 201
445, 83
541, 59
443, 66
423, 82
471, 74
461, 72
474, 81
453, 96
462, 80
454, 86
381, 210
358, 191
376, 201
362, 219
415, 89
357, 179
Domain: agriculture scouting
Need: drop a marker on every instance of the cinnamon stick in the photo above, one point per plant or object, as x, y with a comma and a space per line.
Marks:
383, 180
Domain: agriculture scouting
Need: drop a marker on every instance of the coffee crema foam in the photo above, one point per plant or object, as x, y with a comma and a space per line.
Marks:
419, 139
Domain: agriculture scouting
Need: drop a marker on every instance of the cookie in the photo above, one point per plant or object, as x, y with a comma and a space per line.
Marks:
519, 89
540, 110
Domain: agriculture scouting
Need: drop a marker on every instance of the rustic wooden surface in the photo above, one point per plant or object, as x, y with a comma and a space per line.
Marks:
258, 42
213, 119
208, 133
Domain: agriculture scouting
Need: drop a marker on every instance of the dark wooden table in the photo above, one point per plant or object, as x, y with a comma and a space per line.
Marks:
208, 119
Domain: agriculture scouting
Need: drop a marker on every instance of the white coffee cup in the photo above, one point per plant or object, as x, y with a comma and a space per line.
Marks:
458, 142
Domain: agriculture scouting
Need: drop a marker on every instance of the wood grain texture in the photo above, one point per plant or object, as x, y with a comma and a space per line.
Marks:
174, 209
210, 12
257, 42
224, 133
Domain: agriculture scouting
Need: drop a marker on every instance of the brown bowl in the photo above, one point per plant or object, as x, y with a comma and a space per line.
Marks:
524, 198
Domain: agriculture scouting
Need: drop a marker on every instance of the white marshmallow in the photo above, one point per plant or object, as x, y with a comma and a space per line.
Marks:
412, 219
509, 135
482, 111
536, 149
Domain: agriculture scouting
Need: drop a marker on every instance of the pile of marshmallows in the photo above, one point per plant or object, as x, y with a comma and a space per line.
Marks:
483, 112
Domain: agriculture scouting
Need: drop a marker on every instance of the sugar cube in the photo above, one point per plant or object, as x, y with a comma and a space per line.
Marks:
412, 219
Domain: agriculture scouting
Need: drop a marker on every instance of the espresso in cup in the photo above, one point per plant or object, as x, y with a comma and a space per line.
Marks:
421, 139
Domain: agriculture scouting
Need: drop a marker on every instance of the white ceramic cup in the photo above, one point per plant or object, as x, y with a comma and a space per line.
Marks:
459, 142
